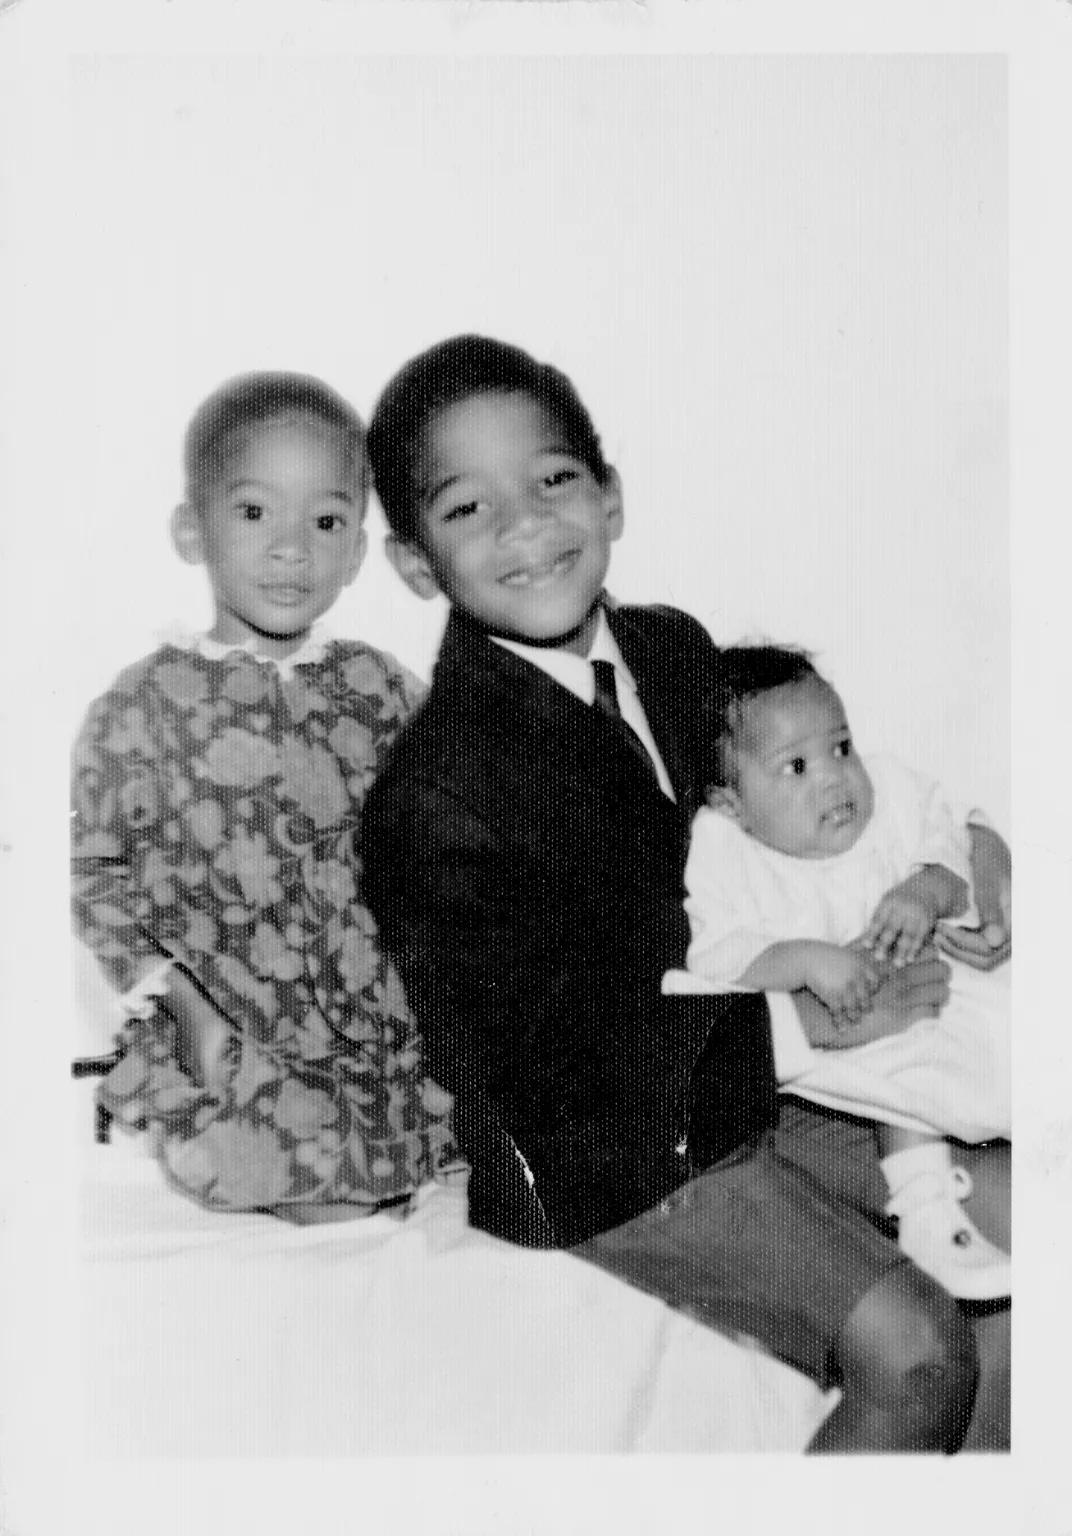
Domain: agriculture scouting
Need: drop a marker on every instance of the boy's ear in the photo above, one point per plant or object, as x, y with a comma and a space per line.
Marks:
357, 556
613, 504
411, 563
724, 799
187, 534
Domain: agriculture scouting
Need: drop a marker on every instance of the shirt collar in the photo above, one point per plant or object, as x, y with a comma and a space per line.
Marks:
575, 672
311, 649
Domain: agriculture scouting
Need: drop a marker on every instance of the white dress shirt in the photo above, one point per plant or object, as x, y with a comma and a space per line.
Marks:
792, 1053
575, 673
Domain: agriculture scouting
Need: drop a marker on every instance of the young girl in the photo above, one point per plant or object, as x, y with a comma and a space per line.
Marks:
810, 870
218, 788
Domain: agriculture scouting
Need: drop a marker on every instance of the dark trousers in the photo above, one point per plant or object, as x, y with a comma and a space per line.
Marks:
776, 1244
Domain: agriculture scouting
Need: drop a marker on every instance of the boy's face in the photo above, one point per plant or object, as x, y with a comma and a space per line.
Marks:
800, 787
280, 532
515, 529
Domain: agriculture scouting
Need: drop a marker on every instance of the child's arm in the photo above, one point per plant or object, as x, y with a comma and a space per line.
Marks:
906, 917
114, 789
734, 931
119, 799
942, 832
845, 980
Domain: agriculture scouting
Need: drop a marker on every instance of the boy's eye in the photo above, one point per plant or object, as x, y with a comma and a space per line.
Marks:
250, 511
843, 747
795, 767
328, 522
559, 477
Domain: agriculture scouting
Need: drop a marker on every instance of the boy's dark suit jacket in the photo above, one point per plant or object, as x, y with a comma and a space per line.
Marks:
526, 871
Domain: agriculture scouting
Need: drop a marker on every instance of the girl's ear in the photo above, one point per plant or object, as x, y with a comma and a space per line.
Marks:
613, 504
724, 799
187, 534
357, 557
411, 563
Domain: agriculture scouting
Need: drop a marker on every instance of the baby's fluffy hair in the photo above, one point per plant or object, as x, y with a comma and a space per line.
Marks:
745, 672
446, 375
254, 399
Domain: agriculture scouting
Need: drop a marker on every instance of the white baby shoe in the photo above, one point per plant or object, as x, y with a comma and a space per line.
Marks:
936, 1233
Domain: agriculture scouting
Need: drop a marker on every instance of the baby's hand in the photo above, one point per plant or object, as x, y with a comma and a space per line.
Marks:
844, 979
903, 923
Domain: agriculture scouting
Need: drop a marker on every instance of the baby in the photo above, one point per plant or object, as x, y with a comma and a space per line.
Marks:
218, 790
812, 870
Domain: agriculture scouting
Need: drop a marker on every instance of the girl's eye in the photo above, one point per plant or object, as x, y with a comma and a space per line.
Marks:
843, 748
795, 767
328, 522
250, 511
465, 509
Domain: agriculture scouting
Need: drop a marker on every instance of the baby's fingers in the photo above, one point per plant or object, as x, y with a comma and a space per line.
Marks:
886, 934
909, 943
870, 936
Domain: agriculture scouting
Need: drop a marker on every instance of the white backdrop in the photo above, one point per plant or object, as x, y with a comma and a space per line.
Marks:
779, 283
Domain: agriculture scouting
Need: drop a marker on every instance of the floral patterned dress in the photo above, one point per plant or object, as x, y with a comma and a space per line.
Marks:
216, 824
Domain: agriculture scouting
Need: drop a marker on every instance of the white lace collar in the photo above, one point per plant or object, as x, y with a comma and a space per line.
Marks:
312, 648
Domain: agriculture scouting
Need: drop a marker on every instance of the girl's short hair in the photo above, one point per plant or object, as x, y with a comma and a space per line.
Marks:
744, 672
446, 375
254, 399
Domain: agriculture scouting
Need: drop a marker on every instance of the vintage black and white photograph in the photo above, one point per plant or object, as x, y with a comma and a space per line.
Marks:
529, 659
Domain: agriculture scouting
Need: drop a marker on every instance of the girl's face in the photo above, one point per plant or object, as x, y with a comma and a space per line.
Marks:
800, 787
280, 533
515, 529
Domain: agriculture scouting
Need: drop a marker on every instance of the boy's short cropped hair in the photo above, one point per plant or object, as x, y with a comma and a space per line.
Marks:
444, 376
252, 399
744, 672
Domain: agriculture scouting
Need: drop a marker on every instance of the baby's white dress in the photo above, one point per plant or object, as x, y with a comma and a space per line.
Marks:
950, 1074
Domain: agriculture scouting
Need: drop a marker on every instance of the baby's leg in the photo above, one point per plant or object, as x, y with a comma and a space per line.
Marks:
895, 1138
927, 1192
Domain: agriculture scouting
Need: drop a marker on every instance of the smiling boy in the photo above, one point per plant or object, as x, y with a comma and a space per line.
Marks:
525, 848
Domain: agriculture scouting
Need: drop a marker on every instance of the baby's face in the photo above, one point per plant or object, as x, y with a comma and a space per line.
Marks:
800, 786
281, 532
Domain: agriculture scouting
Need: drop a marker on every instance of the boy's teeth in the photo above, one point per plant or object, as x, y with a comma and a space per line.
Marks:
526, 577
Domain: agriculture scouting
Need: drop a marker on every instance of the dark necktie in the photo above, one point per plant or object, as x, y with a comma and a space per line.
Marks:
606, 701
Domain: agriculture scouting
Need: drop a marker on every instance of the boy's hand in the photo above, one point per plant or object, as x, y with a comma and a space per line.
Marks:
903, 922
918, 990
983, 948
989, 945
844, 979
